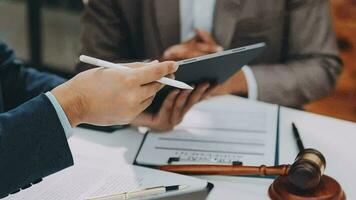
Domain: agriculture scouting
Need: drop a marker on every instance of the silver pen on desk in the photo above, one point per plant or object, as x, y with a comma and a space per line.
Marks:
103, 63
141, 193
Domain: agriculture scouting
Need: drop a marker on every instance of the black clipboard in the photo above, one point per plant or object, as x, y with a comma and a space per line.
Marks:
276, 160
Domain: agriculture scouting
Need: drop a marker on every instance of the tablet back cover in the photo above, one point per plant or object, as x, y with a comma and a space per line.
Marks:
213, 68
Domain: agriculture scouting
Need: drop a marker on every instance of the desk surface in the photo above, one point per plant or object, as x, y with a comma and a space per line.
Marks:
335, 138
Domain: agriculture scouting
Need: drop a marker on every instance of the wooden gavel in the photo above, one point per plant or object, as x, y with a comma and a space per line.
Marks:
305, 173
227, 169
303, 180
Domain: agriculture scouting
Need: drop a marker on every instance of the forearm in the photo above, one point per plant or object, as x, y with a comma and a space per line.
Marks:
310, 66
33, 144
296, 82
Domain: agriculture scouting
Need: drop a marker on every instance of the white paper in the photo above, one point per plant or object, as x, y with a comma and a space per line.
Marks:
92, 178
219, 131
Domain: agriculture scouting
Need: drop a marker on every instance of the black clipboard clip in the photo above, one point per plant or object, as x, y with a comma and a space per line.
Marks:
179, 161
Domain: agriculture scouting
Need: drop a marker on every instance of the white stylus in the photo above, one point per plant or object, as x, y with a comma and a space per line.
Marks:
103, 63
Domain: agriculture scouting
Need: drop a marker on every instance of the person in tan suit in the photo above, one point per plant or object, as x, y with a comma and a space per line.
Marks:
301, 63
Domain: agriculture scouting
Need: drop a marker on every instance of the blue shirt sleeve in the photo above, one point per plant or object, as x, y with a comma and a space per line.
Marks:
61, 115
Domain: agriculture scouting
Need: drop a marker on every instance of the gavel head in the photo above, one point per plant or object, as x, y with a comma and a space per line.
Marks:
307, 170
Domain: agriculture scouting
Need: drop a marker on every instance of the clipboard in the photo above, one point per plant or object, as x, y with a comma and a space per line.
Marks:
176, 160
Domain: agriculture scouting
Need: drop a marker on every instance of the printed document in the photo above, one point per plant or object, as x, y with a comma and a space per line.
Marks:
222, 130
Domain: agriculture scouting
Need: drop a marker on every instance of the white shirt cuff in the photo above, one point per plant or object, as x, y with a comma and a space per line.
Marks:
251, 82
61, 115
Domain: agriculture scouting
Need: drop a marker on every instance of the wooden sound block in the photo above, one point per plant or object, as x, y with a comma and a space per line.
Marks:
328, 189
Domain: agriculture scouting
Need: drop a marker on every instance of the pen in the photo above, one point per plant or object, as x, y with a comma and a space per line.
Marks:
141, 193
103, 63
297, 137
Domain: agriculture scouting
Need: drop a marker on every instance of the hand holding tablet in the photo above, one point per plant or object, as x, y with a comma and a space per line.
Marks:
213, 68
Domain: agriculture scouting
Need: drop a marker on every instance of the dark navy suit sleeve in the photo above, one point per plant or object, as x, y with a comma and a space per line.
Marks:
20, 84
32, 140
32, 144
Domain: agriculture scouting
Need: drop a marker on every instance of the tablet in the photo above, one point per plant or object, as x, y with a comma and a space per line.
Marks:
213, 68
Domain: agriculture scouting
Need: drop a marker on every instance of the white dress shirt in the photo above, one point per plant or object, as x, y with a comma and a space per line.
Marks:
61, 115
199, 14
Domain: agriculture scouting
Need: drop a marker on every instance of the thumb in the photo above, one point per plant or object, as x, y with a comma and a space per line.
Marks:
144, 119
204, 36
139, 64
152, 62
153, 72
133, 64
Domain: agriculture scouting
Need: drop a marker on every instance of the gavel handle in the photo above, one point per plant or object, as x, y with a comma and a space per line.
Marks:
226, 169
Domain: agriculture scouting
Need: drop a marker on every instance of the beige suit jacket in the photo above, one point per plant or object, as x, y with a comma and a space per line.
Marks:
300, 64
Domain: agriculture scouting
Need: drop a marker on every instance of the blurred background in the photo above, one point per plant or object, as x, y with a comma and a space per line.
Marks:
45, 33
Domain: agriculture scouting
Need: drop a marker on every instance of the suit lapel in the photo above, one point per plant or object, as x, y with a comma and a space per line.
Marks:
227, 13
167, 21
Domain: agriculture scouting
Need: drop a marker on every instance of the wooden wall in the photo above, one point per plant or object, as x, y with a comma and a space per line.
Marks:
341, 103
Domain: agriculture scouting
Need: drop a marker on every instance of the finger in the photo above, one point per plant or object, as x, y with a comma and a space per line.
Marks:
195, 49
161, 120
139, 109
171, 76
152, 62
138, 64
143, 119
208, 48
192, 40
146, 103
211, 92
197, 53
133, 64
177, 53
198, 93
151, 73
184, 51
178, 106
150, 89
205, 36
167, 106
195, 97
171, 51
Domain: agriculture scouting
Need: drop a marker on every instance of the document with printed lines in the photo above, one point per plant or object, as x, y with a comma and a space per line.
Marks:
223, 130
